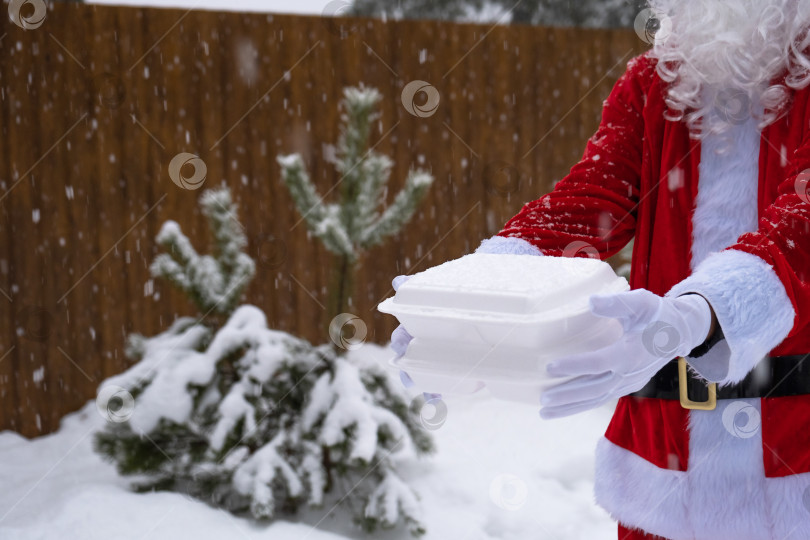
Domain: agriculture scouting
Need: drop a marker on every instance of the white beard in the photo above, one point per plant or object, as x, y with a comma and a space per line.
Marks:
720, 56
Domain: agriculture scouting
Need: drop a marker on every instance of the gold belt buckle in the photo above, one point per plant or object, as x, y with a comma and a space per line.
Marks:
708, 405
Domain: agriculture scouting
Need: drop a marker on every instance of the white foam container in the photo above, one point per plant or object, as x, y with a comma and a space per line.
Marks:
497, 320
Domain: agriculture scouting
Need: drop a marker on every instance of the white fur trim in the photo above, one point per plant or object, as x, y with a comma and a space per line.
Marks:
638, 494
748, 298
508, 245
792, 517
728, 187
724, 494
751, 306
725, 478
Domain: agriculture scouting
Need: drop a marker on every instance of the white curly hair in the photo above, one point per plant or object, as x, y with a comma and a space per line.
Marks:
720, 58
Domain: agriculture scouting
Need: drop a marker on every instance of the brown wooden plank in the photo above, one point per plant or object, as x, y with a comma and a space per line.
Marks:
10, 400
27, 145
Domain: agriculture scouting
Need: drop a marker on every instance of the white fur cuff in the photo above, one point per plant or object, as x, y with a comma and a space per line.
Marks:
751, 306
638, 494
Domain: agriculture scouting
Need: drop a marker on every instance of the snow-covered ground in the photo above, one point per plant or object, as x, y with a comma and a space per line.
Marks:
500, 472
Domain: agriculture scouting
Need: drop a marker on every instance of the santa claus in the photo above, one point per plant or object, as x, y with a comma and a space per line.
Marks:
703, 156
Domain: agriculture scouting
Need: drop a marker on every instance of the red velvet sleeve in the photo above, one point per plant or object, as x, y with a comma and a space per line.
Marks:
783, 237
595, 204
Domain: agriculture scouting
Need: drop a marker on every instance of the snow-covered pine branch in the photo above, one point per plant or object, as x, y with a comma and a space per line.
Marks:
357, 220
333, 233
214, 283
182, 255
301, 188
358, 106
268, 466
322, 219
366, 206
391, 501
399, 212
341, 402
358, 114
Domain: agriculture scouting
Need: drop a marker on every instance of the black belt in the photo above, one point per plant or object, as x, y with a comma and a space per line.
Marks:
774, 376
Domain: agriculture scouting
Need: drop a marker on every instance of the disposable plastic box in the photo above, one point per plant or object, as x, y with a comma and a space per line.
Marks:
497, 320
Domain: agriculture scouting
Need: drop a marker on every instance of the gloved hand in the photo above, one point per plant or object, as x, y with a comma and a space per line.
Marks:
656, 330
400, 338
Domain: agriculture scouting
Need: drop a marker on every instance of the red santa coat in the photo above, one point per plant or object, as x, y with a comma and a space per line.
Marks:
743, 241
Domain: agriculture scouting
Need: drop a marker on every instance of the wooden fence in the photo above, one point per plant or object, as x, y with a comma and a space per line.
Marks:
97, 101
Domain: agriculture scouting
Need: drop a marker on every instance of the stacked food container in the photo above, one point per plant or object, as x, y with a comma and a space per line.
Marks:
498, 320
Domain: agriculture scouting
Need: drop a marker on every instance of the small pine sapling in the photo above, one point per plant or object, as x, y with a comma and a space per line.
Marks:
357, 221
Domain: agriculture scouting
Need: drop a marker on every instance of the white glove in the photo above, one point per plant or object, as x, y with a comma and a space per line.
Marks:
656, 330
400, 338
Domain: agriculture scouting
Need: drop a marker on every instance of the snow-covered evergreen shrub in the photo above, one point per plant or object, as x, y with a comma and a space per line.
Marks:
254, 420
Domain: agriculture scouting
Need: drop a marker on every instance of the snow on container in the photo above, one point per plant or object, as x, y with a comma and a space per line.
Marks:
497, 320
